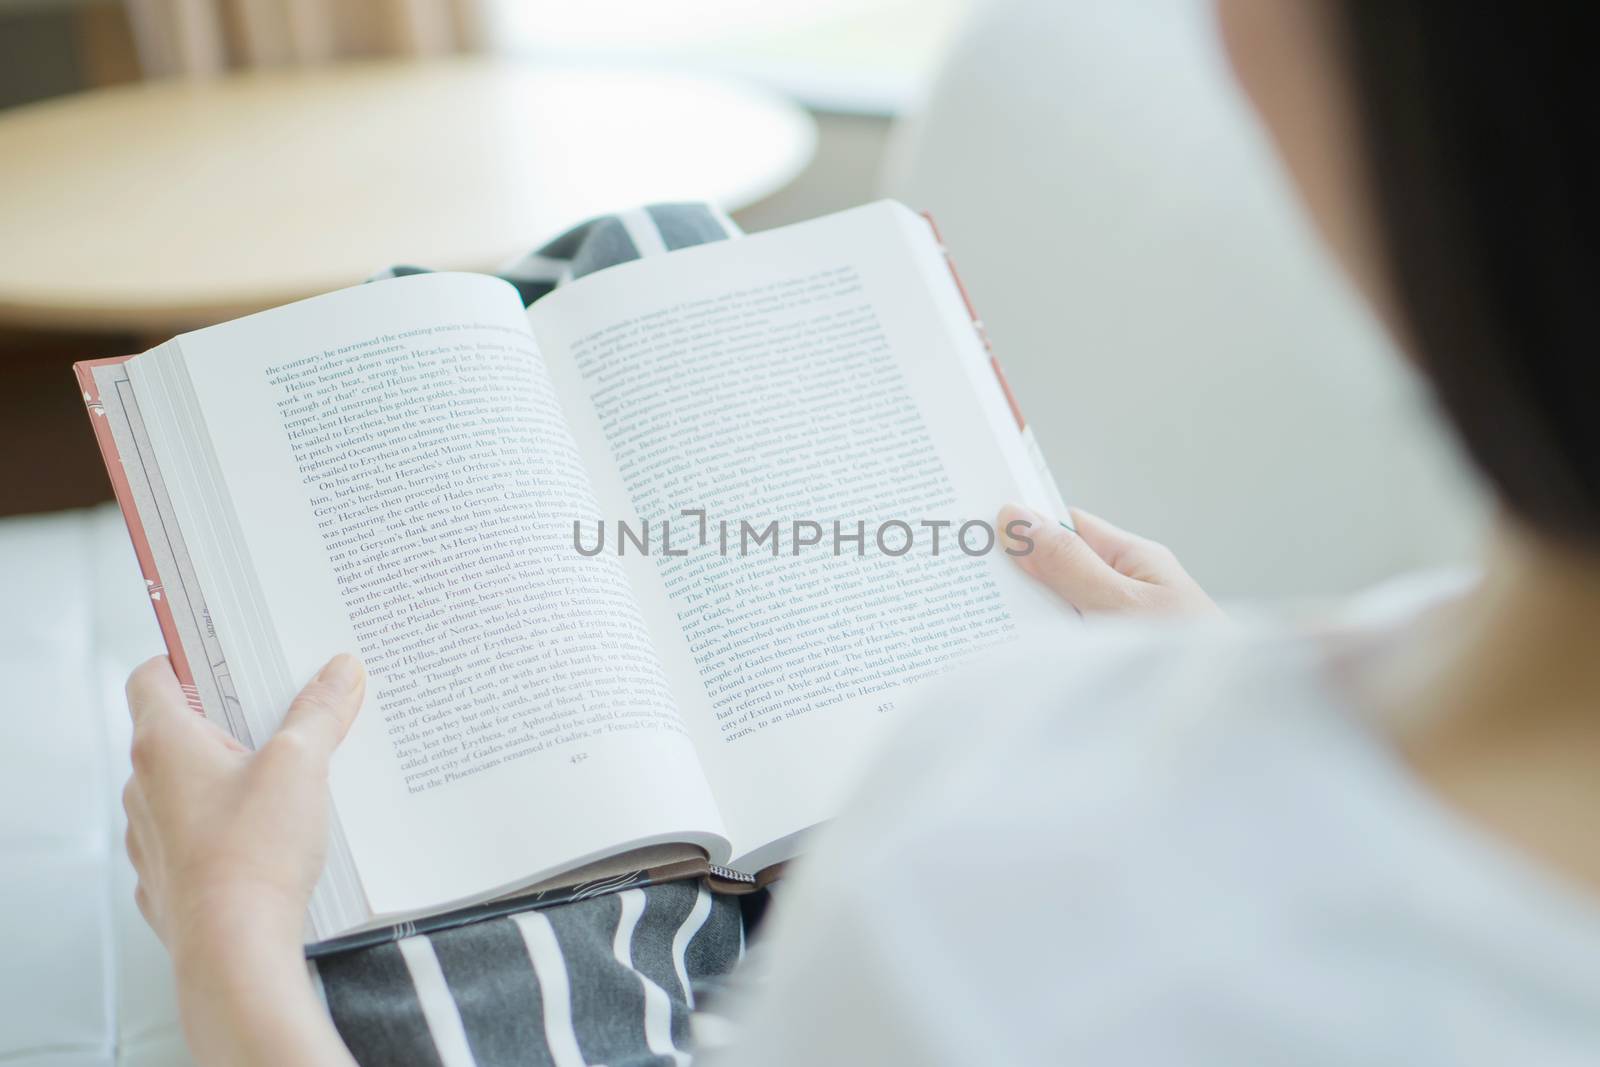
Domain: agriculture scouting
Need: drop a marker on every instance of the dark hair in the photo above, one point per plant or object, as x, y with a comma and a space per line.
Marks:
1479, 121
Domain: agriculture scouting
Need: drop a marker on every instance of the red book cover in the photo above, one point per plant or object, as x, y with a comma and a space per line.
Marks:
114, 461
977, 324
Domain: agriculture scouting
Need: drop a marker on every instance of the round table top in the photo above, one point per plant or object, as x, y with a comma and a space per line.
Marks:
166, 205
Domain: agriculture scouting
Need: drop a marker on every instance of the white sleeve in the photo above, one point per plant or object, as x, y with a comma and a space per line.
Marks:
921, 929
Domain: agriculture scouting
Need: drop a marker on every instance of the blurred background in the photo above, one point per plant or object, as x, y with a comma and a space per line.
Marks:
1193, 366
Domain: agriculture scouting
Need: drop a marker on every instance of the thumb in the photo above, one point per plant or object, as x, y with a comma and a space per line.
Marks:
1068, 564
321, 715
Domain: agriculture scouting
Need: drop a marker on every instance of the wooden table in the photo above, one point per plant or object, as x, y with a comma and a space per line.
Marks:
157, 207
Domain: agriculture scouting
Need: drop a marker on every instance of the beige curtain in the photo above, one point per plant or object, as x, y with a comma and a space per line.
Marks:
201, 38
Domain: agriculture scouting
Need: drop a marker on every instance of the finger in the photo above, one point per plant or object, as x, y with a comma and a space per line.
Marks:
1066, 563
130, 842
1135, 556
133, 799
153, 690
133, 803
321, 715
159, 706
141, 900
1107, 540
216, 735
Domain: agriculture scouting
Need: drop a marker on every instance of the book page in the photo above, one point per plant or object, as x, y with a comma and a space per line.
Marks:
398, 474
812, 414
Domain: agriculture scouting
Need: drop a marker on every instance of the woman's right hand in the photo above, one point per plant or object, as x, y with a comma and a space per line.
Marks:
1101, 570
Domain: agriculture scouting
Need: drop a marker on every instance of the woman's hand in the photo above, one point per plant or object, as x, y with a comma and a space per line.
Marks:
1101, 570
218, 833
228, 845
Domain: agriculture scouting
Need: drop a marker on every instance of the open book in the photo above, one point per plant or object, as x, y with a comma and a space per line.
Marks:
628, 568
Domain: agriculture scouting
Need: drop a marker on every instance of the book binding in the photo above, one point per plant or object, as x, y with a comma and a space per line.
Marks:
115, 463
1035, 453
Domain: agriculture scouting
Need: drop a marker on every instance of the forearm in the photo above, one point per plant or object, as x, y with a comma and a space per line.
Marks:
247, 999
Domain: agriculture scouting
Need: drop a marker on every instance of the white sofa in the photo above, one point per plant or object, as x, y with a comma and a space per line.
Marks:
82, 979
1195, 369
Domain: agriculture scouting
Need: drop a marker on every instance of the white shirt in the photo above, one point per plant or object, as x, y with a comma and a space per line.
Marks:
1120, 847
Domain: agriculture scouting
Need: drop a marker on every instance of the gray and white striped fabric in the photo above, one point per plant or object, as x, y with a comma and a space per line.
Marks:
606, 241
609, 980
613, 979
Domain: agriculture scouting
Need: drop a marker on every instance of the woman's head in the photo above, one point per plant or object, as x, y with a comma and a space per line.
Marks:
1443, 152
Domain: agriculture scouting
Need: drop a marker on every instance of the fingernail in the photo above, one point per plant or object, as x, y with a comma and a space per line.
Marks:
343, 672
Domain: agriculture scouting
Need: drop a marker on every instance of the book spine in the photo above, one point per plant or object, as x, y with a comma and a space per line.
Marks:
114, 462
718, 873
978, 327
1035, 453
